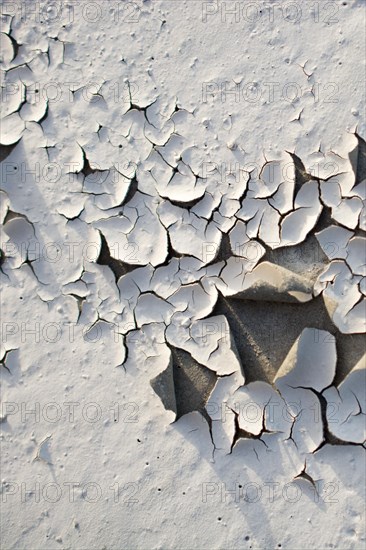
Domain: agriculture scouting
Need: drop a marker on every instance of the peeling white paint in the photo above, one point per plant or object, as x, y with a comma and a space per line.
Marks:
140, 194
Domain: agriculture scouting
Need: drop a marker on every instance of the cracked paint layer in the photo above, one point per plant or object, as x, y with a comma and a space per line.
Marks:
225, 300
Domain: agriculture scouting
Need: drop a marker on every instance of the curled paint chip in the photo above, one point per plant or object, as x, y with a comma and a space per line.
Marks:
346, 406
311, 362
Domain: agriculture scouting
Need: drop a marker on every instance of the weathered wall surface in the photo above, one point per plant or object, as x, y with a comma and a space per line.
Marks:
183, 289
